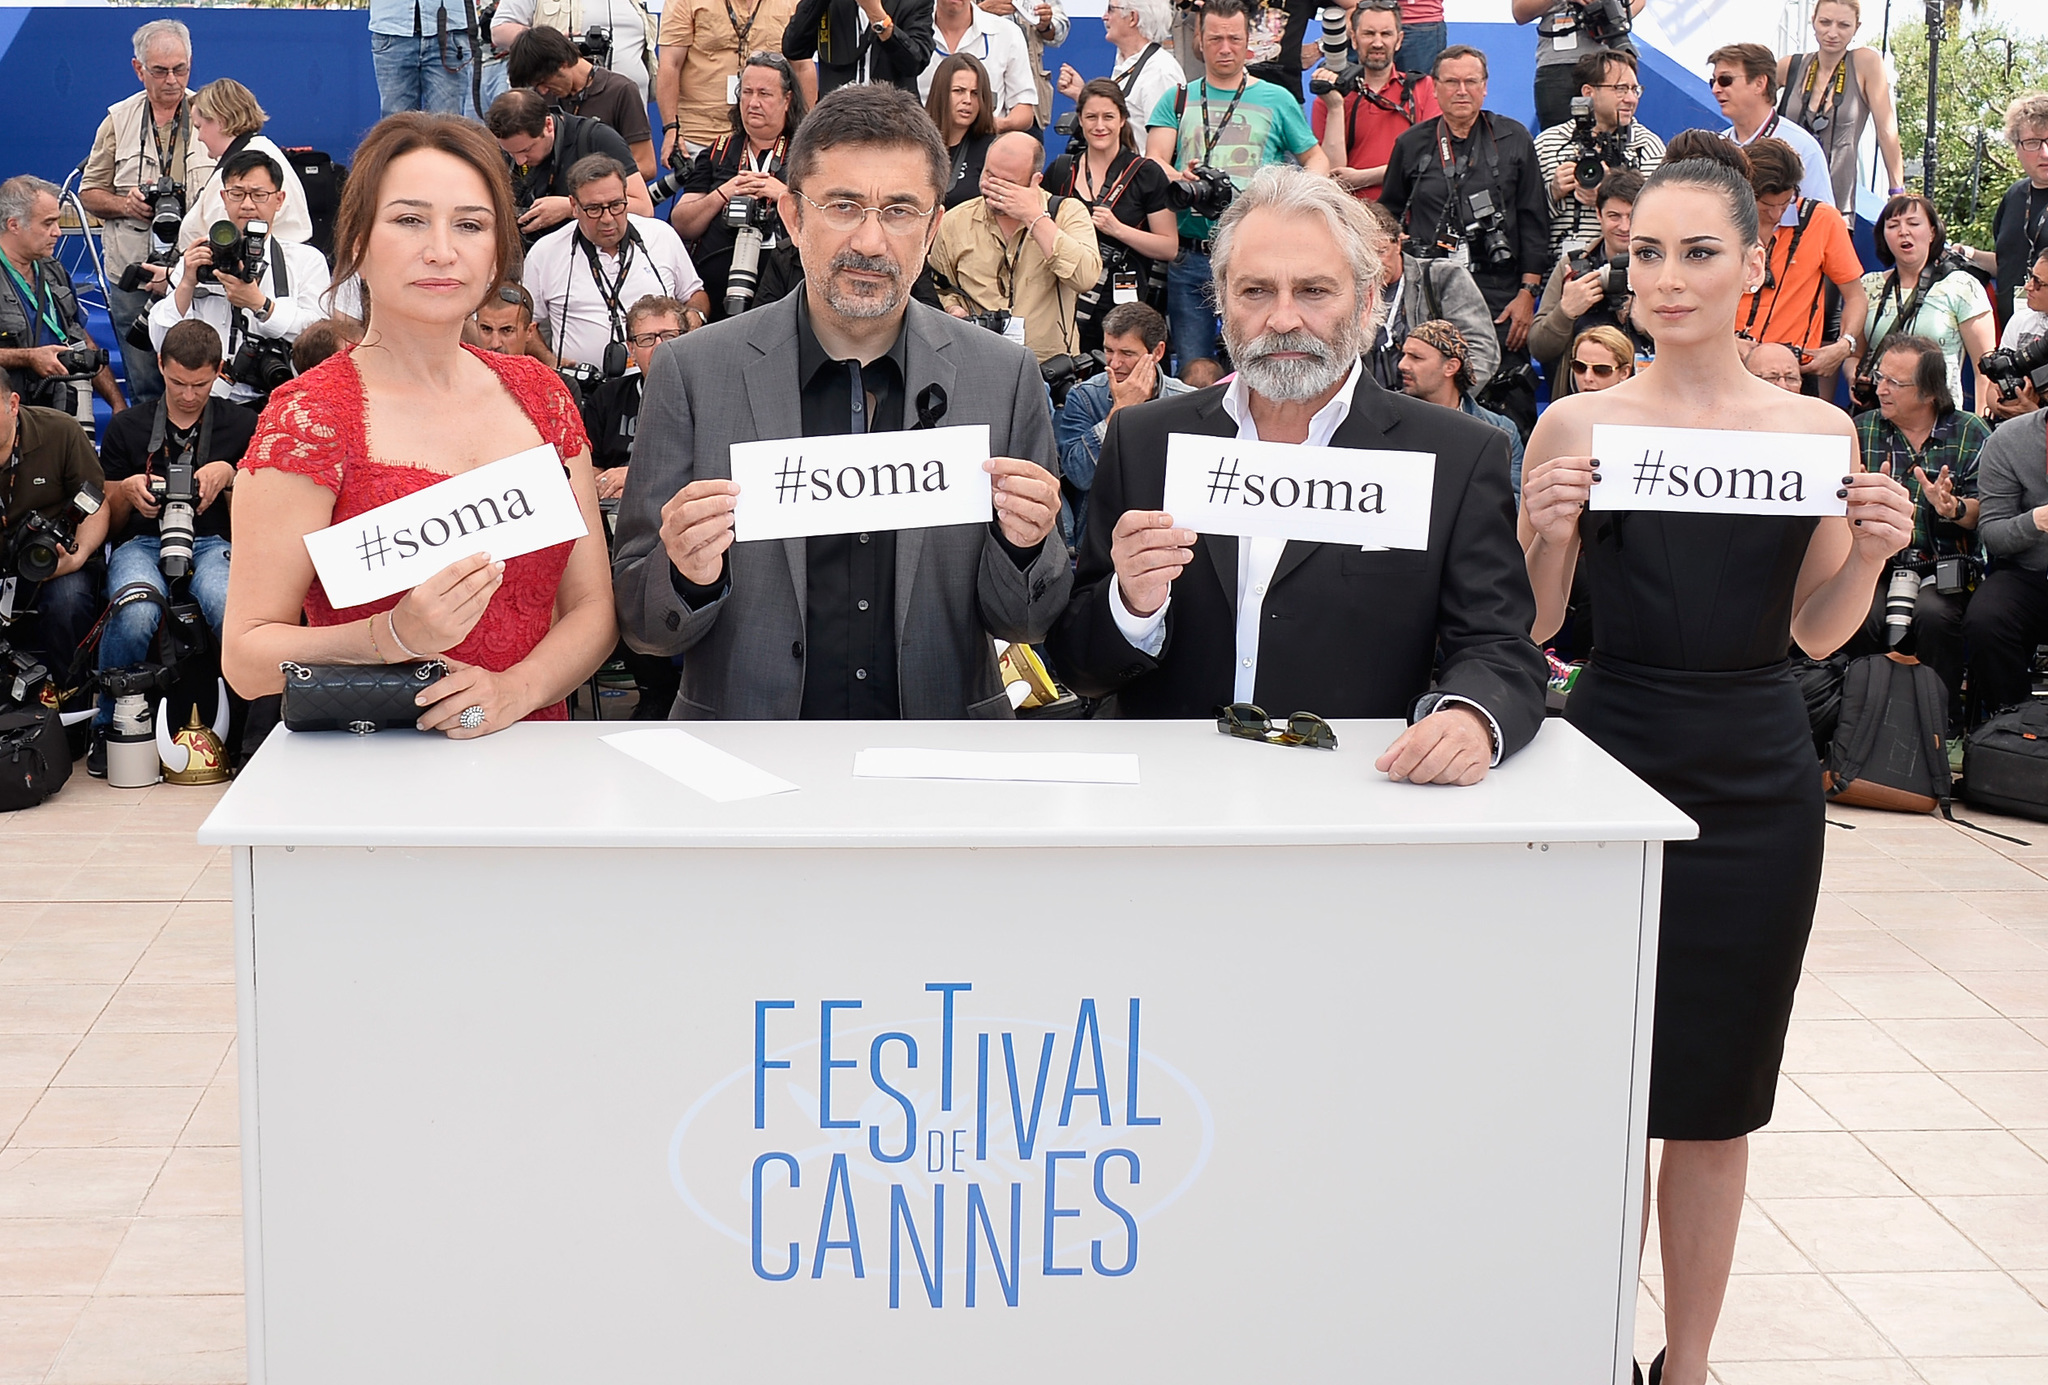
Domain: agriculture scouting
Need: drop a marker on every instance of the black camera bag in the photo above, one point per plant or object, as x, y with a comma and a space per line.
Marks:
2005, 763
35, 761
323, 179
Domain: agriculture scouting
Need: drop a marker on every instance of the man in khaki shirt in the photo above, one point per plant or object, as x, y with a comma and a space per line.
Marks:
1009, 249
702, 44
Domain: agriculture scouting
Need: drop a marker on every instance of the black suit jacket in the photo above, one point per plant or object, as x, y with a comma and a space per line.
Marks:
1347, 633
899, 60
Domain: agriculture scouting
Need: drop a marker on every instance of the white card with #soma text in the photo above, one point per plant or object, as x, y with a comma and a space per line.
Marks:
850, 483
1275, 490
508, 508
1717, 471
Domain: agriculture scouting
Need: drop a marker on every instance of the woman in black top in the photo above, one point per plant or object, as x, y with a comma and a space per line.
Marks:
964, 109
746, 163
1126, 193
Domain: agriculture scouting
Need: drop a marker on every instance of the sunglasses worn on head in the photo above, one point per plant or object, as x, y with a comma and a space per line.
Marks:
1251, 723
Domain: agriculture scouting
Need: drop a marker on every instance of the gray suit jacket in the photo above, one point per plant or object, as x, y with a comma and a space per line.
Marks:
956, 587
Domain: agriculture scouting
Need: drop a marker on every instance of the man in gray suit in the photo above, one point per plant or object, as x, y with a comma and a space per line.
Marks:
871, 625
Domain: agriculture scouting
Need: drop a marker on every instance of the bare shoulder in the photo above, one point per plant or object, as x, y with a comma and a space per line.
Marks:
1797, 413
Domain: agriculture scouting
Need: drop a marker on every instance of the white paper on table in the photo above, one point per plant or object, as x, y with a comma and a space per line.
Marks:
508, 508
717, 774
1274, 490
1720, 471
795, 488
1044, 767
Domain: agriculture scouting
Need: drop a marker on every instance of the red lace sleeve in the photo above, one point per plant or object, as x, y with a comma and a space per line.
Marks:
302, 429
546, 400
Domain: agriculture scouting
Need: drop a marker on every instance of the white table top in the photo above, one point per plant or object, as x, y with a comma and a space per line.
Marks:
556, 785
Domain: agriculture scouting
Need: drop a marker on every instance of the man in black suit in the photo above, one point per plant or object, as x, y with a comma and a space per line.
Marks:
861, 41
1173, 624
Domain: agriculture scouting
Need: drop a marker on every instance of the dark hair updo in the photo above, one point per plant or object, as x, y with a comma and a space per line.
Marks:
1709, 176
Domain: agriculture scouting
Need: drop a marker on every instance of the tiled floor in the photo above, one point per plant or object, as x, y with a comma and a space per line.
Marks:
1897, 1229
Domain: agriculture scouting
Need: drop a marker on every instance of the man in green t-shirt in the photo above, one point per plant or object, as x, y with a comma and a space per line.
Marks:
1227, 120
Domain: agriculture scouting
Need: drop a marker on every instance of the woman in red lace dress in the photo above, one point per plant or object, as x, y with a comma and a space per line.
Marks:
427, 221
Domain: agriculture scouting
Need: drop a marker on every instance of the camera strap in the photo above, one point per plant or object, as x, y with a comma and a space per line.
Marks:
38, 300
1456, 166
1806, 210
198, 442
1211, 136
1130, 78
1406, 109
613, 292
181, 138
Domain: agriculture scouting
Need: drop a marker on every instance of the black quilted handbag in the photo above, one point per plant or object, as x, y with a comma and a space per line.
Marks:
355, 697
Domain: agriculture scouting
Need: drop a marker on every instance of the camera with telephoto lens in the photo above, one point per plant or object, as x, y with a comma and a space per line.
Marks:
1486, 229
1207, 191
177, 499
35, 544
83, 359
1611, 274
166, 214
1900, 597
1603, 22
1342, 78
596, 45
1062, 373
1596, 152
238, 254
2011, 367
748, 218
262, 363
668, 184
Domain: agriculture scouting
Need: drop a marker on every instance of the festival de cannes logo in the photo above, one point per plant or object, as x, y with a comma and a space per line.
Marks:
933, 1155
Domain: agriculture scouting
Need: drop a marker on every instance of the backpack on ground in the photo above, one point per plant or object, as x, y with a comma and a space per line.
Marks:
35, 760
1888, 749
2005, 763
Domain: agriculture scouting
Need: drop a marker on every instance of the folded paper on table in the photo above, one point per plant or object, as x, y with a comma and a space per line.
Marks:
508, 508
717, 774
795, 488
1720, 471
1047, 767
1274, 490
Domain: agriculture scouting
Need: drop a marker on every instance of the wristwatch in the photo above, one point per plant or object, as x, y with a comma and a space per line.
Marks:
883, 27
1850, 337
269, 307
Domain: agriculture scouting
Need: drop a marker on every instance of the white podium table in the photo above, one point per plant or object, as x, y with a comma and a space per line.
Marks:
1265, 1069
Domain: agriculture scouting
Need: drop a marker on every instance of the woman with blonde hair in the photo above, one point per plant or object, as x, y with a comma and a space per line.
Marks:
1834, 91
227, 119
1601, 359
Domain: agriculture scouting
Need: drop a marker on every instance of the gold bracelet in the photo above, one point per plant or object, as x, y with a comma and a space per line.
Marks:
391, 623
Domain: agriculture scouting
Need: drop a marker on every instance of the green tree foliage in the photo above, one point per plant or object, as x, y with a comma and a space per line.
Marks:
1984, 64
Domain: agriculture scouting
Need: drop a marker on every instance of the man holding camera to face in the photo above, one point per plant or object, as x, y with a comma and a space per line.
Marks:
168, 469
44, 347
254, 291
1565, 30
1359, 112
1602, 137
1589, 285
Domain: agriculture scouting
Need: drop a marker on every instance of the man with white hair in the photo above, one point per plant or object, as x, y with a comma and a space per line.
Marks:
143, 147
1139, 29
1172, 623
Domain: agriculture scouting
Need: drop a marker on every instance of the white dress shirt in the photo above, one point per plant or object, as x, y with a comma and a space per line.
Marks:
1257, 559
1159, 76
1817, 183
999, 45
306, 275
565, 289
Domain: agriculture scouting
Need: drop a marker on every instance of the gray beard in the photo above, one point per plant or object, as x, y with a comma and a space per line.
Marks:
1288, 381
861, 306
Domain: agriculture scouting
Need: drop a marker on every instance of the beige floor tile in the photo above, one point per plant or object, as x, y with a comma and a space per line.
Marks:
1828, 953
1969, 1045
26, 880
31, 1060
76, 1182
1960, 1163
1957, 1314
2010, 1098
1793, 1109
1816, 1000
2013, 1231
1893, 1101
15, 1104
1884, 1371
198, 1182
2024, 903
1913, 908
216, 882
1867, 876
1974, 949
1831, 913
15, 919
72, 846
117, 1059
47, 1008
1791, 1317
197, 1339
1926, 994
57, 1255
2036, 1140
2034, 1282
127, 877
178, 1255
1817, 1164
1843, 1045
1977, 875
138, 1008
2016, 995
100, 1117
218, 1121
32, 1332
197, 945
1848, 1235
1982, 1370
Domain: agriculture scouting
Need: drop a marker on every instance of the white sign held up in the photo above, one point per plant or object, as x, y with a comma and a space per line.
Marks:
1720, 472
507, 508
1271, 490
794, 488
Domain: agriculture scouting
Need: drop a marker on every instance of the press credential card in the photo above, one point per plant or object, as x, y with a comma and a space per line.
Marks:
794, 488
507, 508
1715, 471
1273, 490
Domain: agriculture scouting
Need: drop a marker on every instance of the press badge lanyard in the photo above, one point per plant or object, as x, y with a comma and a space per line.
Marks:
739, 31
1209, 136
181, 137
611, 292
37, 301
1454, 167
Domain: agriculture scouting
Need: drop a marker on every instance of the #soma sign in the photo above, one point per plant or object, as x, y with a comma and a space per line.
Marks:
1720, 471
795, 488
1270, 490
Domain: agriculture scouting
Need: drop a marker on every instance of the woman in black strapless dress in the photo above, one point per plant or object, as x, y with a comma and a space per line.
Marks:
1688, 685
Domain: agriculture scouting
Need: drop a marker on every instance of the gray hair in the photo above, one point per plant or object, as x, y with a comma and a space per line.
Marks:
161, 28
1154, 18
1292, 190
18, 197
2028, 111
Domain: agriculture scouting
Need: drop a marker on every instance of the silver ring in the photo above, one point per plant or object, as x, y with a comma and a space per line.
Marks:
472, 717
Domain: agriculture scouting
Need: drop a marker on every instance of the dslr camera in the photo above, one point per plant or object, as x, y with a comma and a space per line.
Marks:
1062, 373
1596, 153
177, 496
262, 363
34, 545
995, 320
166, 214
749, 219
238, 254
2010, 367
1342, 78
1486, 229
1069, 125
1604, 22
595, 43
1611, 275
1206, 193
